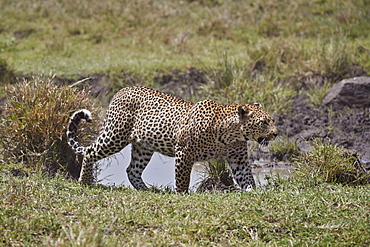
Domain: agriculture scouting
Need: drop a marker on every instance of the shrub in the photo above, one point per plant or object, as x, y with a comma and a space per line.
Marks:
332, 164
34, 123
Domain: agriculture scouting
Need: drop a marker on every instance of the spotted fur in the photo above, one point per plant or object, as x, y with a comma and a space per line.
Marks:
153, 121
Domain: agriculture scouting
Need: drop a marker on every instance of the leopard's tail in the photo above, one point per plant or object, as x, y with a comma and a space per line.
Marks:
72, 128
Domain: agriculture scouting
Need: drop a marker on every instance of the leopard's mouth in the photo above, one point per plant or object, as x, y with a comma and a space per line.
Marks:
263, 141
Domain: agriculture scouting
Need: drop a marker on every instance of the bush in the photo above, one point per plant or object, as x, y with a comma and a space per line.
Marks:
331, 164
34, 124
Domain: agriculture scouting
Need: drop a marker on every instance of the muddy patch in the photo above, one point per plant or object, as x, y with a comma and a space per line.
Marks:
348, 128
184, 84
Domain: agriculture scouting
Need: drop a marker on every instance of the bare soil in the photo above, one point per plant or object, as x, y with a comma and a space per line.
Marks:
348, 128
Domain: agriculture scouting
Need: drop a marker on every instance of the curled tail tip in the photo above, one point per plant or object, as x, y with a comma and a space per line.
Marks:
73, 127
82, 114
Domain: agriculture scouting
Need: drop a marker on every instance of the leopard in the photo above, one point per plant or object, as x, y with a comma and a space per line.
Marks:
154, 121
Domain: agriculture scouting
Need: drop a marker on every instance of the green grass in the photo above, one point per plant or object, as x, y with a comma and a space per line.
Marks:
235, 81
274, 48
284, 149
317, 93
287, 37
56, 212
329, 163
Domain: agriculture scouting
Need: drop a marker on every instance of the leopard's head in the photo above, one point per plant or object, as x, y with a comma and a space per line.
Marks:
256, 124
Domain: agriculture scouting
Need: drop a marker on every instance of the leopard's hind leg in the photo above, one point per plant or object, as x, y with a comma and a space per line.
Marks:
140, 157
103, 147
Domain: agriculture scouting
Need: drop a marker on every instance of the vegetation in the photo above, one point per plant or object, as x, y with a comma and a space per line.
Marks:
33, 126
317, 94
266, 51
146, 35
232, 81
216, 177
284, 149
55, 212
272, 47
329, 163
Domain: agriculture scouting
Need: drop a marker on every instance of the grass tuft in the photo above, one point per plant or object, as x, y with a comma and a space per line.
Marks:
34, 124
216, 177
331, 164
235, 81
317, 93
284, 149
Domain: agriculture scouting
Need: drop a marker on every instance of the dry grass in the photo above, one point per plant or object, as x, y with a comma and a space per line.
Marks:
34, 124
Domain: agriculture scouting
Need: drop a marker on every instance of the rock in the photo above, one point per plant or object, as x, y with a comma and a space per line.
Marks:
354, 93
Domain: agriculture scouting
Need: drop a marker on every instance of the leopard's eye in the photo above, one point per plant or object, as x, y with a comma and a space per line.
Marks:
265, 122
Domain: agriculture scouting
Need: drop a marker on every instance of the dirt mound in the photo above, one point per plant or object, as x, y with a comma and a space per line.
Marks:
349, 128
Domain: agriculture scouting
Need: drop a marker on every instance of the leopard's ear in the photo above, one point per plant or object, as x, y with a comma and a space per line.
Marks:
244, 112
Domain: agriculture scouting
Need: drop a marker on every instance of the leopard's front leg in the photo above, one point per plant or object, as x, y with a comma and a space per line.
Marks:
241, 169
183, 168
242, 174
